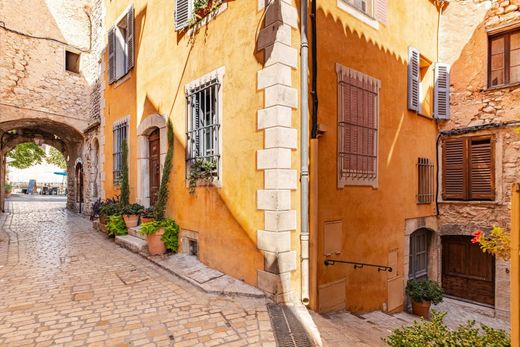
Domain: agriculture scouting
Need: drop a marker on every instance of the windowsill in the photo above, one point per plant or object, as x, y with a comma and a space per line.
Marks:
469, 202
122, 80
502, 86
371, 22
204, 21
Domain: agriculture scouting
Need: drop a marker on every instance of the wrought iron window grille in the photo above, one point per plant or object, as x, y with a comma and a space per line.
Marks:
120, 132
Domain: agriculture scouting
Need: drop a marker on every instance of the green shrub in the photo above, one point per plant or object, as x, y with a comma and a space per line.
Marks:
8, 188
132, 209
162, 196
201, 170
171, 232
424, 290
116, 226
110, 209
148, 212
125, 189
436, 334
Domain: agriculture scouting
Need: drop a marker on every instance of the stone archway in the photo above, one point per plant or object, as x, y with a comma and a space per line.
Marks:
147, 126
94, 170
79, 186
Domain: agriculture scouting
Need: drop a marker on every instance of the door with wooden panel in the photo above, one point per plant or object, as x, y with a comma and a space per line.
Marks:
154, 141
467, 272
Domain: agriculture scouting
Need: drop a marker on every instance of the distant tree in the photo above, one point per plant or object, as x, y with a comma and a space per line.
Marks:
56, 157
26, 155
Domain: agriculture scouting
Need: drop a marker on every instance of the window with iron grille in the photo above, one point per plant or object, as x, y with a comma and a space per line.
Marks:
425, 181
358, 123
203, 135
119, 132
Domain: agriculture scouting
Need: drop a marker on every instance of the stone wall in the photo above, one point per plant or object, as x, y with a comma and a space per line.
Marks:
465, 27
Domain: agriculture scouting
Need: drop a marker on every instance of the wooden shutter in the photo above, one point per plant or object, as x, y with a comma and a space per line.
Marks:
380, 10
442, 91
130, 39
481, 169
454, 169
413, 79
182, 14
111, 55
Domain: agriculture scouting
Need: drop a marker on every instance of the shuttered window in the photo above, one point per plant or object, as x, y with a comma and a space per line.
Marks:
469, 168
442, 91
183, 9
414, 93
504, 59
358, 124
425, 181
119, 133
121, 47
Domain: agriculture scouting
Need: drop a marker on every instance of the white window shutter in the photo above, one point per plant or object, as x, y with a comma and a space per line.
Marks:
380, 10
442, 91
111, 55
182, 13
130, 39
413, 80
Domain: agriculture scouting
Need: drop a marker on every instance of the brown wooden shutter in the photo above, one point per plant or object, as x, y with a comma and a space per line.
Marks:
454, 169
481, 169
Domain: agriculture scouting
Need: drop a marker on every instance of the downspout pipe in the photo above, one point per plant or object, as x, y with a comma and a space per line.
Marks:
304, 176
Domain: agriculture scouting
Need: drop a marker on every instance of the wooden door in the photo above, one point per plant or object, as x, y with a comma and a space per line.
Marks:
467, 272
154, 141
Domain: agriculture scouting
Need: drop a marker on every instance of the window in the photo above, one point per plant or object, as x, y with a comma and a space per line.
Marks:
121, 47
203, 136
358, 123
504, 59
184, 10
120, 133
428, 86
469, 168
365, 6
425, 181
418, 258
72, 61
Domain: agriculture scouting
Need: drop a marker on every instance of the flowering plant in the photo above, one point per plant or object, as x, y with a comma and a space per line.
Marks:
498, 242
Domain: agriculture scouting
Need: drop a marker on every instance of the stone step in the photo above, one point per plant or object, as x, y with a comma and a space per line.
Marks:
136, 232
132, 243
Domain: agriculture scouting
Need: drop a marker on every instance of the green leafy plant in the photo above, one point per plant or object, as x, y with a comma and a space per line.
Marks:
56, 157
162, 197
171, 232
435, 333
125, 189
148, 212
116, 226
424, 290
498, 242
132, 209
201, 170
110, 207
8, 188
202, 9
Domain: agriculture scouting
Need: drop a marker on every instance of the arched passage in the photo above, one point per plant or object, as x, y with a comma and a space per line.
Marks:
65, 138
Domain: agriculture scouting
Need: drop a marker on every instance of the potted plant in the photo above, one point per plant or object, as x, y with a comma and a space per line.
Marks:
201, 170
131, 213
147, 215
423, 293
201, 8
161, 235
116, 226
8, 188
110, 207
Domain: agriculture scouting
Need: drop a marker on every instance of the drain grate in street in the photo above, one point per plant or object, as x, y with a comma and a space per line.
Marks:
288, 331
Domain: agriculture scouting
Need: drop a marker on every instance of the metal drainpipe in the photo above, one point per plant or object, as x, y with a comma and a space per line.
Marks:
304, 236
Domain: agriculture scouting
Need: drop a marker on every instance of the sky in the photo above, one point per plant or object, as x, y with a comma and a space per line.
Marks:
42, 173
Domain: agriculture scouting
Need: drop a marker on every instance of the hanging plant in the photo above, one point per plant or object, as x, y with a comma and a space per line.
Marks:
201, 170
497, 243
202, 9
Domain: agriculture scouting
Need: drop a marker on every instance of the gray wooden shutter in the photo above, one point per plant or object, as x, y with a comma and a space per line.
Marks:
442, 91
380, 10
182, 14
413, 79
111, 55
130, 39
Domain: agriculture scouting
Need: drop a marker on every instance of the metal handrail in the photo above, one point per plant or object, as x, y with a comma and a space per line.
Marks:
358, 265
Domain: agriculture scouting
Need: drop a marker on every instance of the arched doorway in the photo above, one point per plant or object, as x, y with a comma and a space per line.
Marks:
94, 170
154, 162
78, 177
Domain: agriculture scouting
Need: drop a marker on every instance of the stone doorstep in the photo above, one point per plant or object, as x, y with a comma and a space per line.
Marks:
136, 232
190, 269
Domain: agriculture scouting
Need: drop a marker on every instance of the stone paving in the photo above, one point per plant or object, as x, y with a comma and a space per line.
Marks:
63, 284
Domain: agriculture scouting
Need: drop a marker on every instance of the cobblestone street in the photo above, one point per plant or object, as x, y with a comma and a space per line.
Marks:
64, 284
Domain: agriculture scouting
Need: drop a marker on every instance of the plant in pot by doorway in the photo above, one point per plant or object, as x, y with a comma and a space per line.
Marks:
116, 226
148, 215
423, 293
131, 213
109, 207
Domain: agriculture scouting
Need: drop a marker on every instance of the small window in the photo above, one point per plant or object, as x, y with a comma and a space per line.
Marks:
504, 59
469, 168
425, 181
365, 6
358, 125
120, 133
203, 136
72, 61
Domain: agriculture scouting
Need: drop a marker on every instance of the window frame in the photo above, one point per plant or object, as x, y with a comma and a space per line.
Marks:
122, 127
343, 177
214, 79
121, 53
467, 167
507, 58
76, 53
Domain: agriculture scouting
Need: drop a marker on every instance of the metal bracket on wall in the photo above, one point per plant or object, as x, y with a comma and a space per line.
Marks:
357, 265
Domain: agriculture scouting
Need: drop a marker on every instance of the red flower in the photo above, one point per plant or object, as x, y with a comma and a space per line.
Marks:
477, 235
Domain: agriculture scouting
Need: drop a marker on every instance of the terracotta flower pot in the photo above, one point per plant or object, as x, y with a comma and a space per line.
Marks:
155, 244
421, 309
131, 220
103, 220
146, 220
203, 12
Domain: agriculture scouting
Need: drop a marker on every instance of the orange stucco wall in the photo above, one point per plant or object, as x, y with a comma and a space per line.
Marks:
373, 219
225, 218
